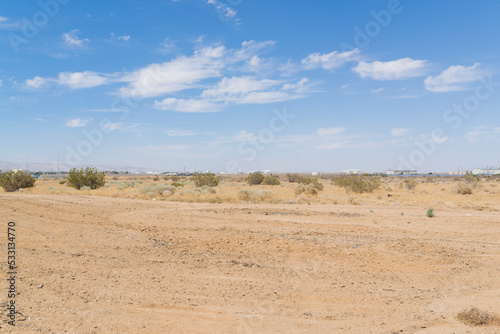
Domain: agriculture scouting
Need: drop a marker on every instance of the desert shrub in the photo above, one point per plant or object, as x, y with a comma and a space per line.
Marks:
306, 189
255, 178
206, 179
115, 178
475, 317
194, 191
255, 195
271, 180
472, 180
430, 213
410, 184
88, 177
85, 188
259, 195
62, 182
11, 181
156, 178
147, 189
302, 199
174, 178
292, 177
463, 189
357, 183
177, 184
167, 193
244, 194
207, 190
312, 181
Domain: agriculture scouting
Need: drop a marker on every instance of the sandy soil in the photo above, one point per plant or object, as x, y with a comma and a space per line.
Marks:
92, 264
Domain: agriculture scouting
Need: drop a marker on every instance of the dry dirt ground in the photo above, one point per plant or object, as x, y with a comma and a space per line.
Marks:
89, 264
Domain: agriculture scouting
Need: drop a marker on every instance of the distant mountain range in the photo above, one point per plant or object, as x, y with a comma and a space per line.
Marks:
52, 167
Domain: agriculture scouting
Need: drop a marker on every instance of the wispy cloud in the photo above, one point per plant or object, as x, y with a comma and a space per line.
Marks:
77, 122
329, 61
398, 132
455, 78
180, 133
72, 40
400, 69
10, 24
483, 134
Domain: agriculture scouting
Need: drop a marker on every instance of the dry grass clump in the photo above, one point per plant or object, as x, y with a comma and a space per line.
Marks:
475, 317
463, 189
254, 195
307, 189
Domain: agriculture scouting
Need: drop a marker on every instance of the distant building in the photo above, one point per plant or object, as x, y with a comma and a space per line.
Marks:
352, 171
401, 172
486, 171
315, 173
462, 172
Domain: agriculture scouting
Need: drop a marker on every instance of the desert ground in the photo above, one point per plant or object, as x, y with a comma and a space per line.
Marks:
124, 259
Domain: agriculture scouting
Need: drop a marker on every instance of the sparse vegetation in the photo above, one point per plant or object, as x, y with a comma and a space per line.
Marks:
410, 184
357, 183
254, 195
11, 181
271, 180
463, 189
206, 179
255, 178
475, 317
292, 177
88, 177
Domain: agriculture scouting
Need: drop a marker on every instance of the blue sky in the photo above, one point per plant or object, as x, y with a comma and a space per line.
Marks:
240, 85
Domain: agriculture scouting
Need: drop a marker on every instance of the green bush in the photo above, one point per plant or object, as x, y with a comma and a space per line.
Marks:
357, 183
292, 177
206, 179
255, 178
271, 180
11, 181
430, 213
88, 177
177, 184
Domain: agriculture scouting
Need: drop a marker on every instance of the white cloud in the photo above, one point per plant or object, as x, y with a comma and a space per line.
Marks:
231, 89
378, 90
179, 74
36, 82
398, 132
167, 46
482, 133
77, 122
223, 10
190, 105
8, 24
400, 69
112, 126
330, 60
454, 78
330, 131
72, 40
1, 83
180, 133
298, 86
77, 80
123, 38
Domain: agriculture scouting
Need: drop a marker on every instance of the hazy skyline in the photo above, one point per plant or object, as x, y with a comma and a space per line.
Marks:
245, 85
